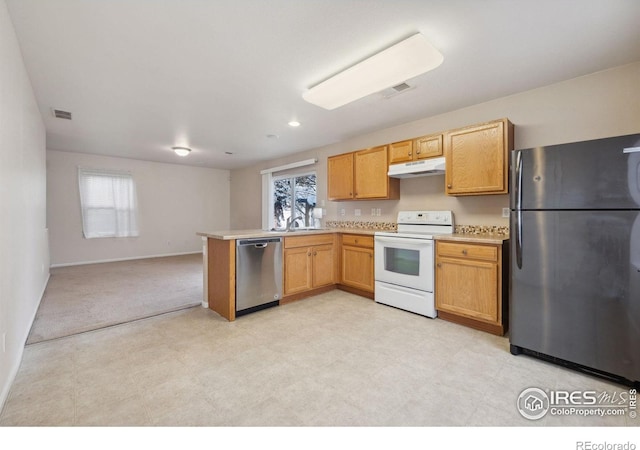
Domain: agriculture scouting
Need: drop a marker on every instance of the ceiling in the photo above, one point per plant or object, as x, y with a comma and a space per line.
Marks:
141, 76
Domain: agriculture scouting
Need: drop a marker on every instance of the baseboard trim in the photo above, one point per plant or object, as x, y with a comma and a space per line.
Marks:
14, 369
100, 261
35, 311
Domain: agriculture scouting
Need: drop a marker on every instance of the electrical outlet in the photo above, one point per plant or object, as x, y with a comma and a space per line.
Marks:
357, 212
505, 212
342, 212
378, 212
373, 212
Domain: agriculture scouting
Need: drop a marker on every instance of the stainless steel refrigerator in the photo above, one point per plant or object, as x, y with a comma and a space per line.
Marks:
575, 255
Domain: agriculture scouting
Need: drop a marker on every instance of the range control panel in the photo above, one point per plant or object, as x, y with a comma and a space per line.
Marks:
425, 217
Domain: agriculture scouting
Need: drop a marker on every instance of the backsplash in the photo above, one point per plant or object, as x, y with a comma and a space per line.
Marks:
353, 224
482, 229
392, 226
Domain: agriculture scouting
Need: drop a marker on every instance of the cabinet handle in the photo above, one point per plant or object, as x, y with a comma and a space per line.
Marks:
417, 152
409, 153
464, 252
356, 241
309, 254
315, 253
439, 265
449, 186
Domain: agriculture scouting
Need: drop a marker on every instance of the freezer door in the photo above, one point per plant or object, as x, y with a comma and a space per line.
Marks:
597, 174
576, 293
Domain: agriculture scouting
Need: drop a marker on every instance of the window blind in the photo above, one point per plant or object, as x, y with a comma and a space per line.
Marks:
108, 203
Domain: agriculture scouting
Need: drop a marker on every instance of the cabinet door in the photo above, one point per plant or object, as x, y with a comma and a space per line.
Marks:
340, 177
428, 146
357, 268
323, 265
400, 152
467, 288
371, 167
476, 159
297, 270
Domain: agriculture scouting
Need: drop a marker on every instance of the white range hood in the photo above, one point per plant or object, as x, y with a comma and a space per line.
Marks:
422, 168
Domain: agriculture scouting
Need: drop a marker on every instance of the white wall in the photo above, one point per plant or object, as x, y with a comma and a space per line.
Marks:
174, 203
24, 260
598, 105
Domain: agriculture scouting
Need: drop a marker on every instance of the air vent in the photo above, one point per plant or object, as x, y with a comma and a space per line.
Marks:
395, 90
60, 114
401, 87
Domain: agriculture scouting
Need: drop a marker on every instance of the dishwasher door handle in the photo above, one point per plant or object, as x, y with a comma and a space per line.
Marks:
261, 245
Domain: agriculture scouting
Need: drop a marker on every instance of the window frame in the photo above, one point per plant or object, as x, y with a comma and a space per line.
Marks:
291, 176
125, 219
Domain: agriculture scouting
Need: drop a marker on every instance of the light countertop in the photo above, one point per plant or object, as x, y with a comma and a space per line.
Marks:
250, 234
479, 238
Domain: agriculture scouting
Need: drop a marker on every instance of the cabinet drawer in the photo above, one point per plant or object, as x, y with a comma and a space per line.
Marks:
471, 251
357, 240
308, 241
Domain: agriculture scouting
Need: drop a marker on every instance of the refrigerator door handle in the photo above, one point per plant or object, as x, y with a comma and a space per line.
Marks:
518, 206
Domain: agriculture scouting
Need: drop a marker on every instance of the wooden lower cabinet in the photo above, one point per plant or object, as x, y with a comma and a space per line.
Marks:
297, 276
309, 263
322, 266
357, 262
469, 285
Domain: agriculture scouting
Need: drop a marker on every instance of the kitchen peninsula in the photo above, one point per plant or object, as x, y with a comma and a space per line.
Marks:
315, 261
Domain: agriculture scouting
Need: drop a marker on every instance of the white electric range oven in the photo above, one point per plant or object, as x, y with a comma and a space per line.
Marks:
404, 261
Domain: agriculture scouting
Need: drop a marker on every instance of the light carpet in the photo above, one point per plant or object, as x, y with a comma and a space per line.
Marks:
93, 296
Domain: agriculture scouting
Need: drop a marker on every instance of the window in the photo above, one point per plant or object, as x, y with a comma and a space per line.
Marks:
294, 196
108, 203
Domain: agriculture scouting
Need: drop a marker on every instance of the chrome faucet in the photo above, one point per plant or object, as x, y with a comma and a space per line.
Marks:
291, 221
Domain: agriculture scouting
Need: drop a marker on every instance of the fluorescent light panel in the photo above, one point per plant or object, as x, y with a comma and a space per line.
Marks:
407, 59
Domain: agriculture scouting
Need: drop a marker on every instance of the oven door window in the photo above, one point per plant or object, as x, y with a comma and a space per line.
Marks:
402, 261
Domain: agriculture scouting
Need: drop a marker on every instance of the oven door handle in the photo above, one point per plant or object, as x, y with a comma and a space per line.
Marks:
401, 240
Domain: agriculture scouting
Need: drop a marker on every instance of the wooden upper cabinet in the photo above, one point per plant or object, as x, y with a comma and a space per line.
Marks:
477, 158
340, 177
371, 180
415, 149
400, 152
428, 146
361, 175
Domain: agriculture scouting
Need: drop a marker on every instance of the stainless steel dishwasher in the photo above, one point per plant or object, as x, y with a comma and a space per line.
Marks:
258, 274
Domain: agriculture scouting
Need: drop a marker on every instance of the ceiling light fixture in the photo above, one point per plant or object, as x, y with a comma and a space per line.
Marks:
398, 63
294, 123
181, 151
